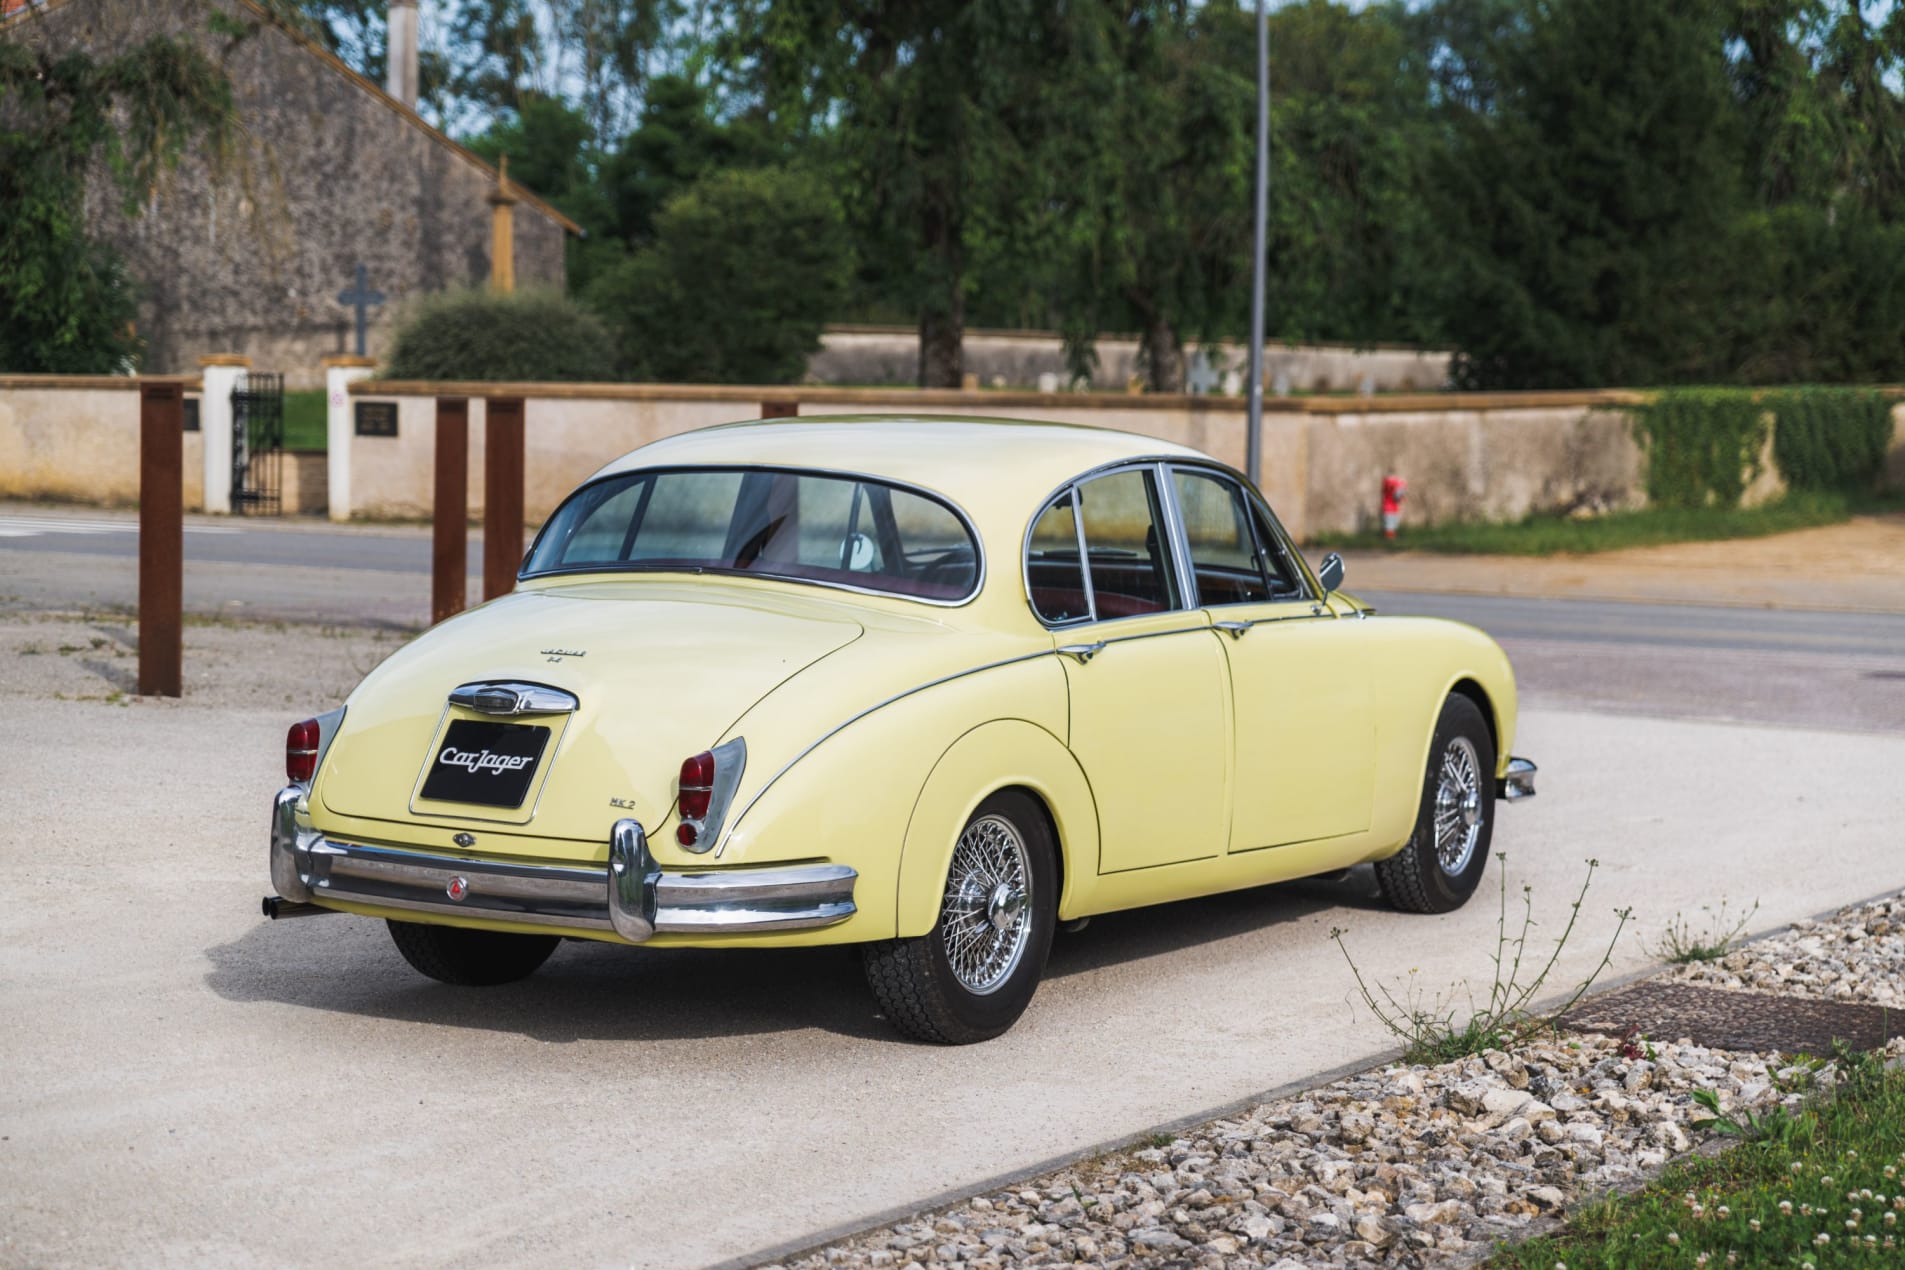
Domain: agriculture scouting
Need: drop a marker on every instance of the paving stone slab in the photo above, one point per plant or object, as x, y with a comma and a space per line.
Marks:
1736, 1020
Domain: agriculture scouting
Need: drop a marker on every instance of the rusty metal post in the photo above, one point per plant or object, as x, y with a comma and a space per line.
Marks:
161, 537
779, 409
450, 515
502, 494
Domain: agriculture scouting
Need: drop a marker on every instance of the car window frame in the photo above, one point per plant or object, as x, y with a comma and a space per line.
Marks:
1175, 548
891, 483
1307, 588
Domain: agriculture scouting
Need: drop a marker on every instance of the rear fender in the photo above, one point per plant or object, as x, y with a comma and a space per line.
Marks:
998, 755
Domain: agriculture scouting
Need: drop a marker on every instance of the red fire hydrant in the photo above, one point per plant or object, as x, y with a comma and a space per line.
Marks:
1393, 488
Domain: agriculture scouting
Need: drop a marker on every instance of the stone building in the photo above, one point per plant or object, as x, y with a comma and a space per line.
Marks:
248, 254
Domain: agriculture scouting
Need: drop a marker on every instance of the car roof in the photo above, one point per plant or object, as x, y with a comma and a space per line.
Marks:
990, 467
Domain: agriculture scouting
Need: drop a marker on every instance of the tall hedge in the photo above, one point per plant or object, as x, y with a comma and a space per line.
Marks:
1704, 445
535, 336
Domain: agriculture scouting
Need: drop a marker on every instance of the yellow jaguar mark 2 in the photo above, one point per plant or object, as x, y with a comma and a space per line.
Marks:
929, 686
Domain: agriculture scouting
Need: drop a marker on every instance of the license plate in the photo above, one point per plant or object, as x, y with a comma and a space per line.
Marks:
490, 764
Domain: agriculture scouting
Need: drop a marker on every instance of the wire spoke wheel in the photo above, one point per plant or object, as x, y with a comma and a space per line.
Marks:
1458, 805
985, 921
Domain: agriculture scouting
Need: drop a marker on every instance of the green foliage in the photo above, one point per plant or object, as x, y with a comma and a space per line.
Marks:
1681, 944
1703, 445
1830, 438
1551, 533
1430, 1030
1818, 1186
66, 303
481, 335
745, 268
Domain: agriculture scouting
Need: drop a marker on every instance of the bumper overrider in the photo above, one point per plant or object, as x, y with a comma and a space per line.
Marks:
632, 896
1518, 781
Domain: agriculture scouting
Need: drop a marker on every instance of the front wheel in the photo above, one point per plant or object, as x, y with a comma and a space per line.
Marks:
1441, 864
470, 958
971, 976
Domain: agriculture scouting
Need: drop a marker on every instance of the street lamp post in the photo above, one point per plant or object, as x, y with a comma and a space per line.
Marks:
1253, 460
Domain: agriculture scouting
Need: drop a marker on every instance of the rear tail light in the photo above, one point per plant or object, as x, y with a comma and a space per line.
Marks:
707, 785
697, 794
301, 751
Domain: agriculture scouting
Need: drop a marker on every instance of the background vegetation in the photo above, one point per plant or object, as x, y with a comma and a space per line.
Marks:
525, 336
1570, 193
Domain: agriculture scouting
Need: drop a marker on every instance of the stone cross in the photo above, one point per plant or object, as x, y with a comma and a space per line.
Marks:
1203, 376
359, 296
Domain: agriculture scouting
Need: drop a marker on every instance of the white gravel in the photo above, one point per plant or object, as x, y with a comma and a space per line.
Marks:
1854, 955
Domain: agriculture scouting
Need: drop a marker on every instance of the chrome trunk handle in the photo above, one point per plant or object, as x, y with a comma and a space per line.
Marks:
511, 697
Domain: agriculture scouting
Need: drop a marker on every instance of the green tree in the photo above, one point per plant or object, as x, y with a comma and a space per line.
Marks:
66, 303
1587, 209
745, 268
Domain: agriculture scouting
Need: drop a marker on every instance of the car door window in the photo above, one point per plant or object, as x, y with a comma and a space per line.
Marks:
1126, 550
1285, 582
1225, 556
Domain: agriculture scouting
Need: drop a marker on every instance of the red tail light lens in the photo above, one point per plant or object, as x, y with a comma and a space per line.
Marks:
301, 751
697, 786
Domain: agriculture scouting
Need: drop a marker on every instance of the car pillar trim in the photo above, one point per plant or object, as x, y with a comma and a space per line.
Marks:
632, 896
1518, 781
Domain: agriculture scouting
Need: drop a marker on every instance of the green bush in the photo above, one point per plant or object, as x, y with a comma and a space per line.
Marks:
528, 336
1831, 438
1703, 445
745, 269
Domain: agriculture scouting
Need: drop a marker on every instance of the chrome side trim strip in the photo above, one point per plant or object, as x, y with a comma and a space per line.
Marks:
848, 722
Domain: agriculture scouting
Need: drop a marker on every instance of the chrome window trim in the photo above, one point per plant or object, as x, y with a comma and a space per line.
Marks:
1154, 464
959, 513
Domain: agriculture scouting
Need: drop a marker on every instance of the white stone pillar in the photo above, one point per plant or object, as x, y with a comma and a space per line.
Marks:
339, 372
220, 374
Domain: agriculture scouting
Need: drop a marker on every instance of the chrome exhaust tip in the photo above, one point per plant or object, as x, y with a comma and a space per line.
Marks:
277, 908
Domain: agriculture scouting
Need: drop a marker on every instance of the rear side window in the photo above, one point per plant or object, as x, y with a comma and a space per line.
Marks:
801, 526
1054, 575
1125, 546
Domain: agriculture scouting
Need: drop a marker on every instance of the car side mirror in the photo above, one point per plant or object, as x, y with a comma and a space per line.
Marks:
1330, 574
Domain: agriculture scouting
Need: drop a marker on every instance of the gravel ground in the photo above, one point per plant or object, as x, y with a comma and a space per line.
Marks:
1856, 954
1410, 1166
306, 667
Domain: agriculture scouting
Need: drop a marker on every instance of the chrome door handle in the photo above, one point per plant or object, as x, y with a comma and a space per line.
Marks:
1236, 630
1083, 652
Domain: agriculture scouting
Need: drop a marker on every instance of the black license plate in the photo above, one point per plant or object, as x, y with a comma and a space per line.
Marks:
491, 764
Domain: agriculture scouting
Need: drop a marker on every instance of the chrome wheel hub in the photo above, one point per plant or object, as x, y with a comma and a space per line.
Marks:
1458, 806
985, 922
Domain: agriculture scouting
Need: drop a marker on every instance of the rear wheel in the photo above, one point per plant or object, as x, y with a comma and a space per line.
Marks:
470, 958
1442, 863
971, 976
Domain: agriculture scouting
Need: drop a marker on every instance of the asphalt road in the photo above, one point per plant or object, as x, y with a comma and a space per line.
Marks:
187, 1084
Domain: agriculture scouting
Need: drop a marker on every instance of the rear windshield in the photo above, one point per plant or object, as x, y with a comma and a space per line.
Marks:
839, 530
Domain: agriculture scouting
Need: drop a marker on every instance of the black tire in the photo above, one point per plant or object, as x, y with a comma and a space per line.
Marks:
915, 981
470, 958
1421, 878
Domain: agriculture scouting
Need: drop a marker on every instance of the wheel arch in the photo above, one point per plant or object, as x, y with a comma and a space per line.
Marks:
1005, 754
1468, 686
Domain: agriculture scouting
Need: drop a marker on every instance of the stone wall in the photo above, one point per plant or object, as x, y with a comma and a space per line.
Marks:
248, 255
1017, 359
1465, 456
76, 439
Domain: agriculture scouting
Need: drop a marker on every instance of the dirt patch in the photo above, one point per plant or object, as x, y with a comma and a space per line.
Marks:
95, 657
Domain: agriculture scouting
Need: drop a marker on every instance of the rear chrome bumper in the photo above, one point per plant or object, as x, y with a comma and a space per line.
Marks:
631, 896
1518, 781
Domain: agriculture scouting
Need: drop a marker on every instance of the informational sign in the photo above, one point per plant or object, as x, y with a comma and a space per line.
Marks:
376, 418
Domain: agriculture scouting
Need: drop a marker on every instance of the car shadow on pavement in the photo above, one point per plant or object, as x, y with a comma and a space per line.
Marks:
596, 991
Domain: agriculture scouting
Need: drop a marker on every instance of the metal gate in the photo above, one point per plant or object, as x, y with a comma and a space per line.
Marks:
258, 445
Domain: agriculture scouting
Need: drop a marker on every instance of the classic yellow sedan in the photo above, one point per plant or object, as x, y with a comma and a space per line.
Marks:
928, 686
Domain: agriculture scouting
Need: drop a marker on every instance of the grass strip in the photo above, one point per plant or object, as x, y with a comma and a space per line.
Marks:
1544, 535
305, 421
1818, 1188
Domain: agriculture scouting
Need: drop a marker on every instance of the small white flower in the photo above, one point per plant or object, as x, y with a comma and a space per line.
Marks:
1752, 1224
1785, 1208
1822, 1239
1673, 1237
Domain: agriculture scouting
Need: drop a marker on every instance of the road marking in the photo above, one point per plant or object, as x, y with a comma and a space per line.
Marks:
35, 526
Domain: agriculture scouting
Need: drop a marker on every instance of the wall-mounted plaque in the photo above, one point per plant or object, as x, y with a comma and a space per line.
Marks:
191, 414
376, 418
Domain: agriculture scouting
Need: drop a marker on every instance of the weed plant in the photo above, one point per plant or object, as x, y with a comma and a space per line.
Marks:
1681, 944
1439, 1032
1815, 1189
